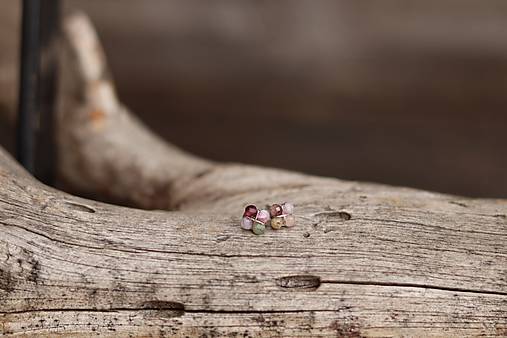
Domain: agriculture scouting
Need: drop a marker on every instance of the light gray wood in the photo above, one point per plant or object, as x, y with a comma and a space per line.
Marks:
364, 259
406, 263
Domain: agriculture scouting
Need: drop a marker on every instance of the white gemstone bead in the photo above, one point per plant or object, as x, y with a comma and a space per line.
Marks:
246, 223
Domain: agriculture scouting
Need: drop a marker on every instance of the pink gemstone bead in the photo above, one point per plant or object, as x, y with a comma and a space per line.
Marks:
250, 211
263, 216
246, 223
288, 208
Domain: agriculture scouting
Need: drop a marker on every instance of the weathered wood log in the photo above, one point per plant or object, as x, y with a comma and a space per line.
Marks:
363, 260
395, 88
104, 150
379, 85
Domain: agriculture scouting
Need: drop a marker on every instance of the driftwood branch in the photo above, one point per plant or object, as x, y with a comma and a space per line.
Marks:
363, 260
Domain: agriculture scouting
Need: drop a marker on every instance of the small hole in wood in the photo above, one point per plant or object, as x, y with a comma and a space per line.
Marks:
339, 214
461, 204
222, 238
80, 207
162, 305
299, 282
174, 309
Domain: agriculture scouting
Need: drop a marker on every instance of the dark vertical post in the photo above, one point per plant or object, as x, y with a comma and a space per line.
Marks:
29, 84
45, 151
37, 93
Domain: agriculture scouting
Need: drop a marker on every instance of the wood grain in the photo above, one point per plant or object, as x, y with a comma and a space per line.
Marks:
364, 260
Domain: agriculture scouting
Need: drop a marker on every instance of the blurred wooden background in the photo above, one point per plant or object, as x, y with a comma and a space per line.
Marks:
402, 92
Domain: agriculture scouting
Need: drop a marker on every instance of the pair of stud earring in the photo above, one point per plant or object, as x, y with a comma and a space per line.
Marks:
276, 215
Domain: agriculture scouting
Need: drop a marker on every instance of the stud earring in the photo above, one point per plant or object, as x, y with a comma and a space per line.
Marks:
281, 215
255, 219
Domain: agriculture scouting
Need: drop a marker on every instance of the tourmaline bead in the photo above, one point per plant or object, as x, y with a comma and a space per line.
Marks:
277, 222
246, 223
250, 211
290, 221
263, 216
288, 208
258, 228
275, 210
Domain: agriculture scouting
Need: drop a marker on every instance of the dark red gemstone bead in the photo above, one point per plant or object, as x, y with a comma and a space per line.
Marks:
275, 210
250, 211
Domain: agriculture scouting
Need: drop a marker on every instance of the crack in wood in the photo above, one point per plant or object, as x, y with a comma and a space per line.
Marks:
138, 250
135, 309
346, 216
416, 285
372, 283
80, 207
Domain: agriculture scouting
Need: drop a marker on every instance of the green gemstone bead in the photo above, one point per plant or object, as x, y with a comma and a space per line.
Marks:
258, 228
277, 222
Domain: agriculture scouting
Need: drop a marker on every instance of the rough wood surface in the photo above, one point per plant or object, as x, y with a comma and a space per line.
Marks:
363, 260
